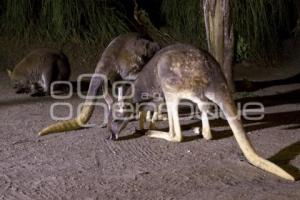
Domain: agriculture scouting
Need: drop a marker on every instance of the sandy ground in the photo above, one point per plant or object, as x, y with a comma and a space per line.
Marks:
84, 165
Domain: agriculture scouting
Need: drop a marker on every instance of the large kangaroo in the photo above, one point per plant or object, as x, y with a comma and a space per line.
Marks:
184, 72
121, 60
35, 73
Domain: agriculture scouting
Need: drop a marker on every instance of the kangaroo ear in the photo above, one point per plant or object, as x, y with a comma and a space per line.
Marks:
9, 72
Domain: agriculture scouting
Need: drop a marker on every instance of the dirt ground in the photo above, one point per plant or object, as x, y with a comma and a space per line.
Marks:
84, 165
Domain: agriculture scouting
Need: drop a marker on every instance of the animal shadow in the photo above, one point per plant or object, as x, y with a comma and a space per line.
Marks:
284, 156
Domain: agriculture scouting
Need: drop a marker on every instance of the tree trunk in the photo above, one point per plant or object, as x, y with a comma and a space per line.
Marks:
220, 35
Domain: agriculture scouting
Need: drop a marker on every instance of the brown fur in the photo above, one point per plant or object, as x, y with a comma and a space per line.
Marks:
121, 60
34, 73
184, 72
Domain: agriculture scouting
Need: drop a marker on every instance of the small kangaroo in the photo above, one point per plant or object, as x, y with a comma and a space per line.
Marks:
35, 73
184, 72
124, 57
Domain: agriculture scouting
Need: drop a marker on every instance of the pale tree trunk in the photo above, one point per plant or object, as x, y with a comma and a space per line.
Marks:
220, 35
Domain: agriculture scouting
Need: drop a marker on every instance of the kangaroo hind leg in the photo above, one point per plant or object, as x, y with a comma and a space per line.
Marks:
174, 134
204, 108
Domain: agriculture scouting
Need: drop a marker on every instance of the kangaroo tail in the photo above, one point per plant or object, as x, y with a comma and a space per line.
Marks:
229, 109
84, 115
72, 124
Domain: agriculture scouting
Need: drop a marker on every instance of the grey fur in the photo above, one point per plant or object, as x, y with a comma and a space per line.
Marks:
35, 73
124, 57
184, 72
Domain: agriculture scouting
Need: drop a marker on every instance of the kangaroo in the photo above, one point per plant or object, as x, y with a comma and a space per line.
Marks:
185, 72
35, 73
121, 60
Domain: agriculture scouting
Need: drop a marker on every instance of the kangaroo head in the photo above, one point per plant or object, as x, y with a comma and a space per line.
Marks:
119, 116
147, 48
152, 48
20, 84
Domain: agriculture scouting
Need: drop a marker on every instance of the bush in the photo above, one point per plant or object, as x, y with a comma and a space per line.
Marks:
63, 19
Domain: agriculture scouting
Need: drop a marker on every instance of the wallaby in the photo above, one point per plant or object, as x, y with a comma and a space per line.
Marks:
124, 57
35, 73
185, 72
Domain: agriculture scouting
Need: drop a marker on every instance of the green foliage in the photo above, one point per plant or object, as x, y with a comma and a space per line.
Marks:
64, 19
185, 21
16, 16
242, 49
258, 24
